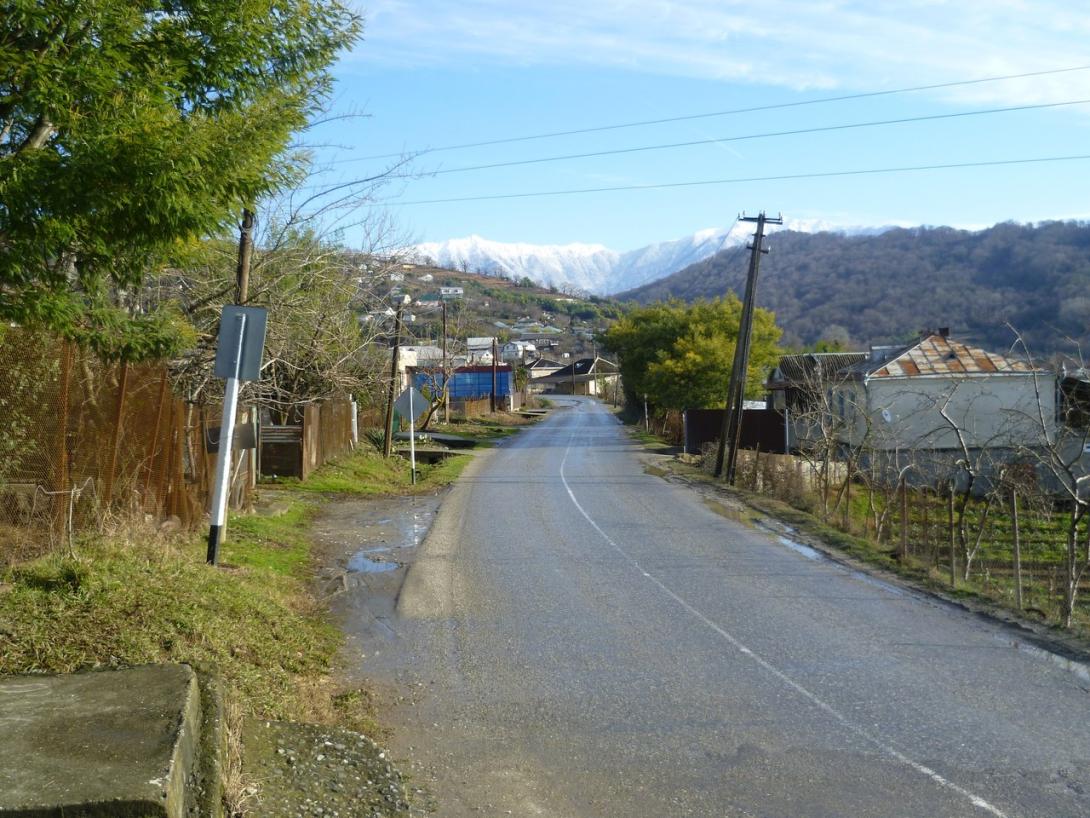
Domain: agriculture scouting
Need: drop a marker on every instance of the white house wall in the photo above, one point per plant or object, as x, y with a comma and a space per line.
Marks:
993, 411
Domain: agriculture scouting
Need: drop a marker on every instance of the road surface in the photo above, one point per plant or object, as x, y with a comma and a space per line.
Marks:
582, 638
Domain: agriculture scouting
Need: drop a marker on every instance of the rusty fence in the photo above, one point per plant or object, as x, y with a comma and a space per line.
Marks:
82, 441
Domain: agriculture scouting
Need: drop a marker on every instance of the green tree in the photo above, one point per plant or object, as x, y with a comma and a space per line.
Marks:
681, 356
126, 127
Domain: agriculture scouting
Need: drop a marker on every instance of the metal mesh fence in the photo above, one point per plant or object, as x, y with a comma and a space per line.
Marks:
82, 441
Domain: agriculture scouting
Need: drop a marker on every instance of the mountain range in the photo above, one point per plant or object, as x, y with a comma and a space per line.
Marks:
983, 284
594, 268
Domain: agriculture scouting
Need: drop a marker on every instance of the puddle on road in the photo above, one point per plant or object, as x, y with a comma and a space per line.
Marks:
379, 535
360, 564
805, 550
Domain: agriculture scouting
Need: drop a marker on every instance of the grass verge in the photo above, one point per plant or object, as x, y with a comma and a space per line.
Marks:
138, 596
366, 472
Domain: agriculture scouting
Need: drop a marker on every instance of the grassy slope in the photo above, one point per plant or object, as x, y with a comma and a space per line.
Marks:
141, 597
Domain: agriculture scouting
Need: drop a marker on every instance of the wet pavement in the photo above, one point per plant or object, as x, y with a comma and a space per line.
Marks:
578, 638
366, 546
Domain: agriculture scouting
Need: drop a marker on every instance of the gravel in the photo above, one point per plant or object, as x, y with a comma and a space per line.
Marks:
306, 770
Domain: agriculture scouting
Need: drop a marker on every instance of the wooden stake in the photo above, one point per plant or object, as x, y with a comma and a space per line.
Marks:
1017, 550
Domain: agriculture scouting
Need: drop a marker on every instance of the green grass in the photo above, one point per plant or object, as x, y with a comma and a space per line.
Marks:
139, 597
486, 427
127, 601
367, 472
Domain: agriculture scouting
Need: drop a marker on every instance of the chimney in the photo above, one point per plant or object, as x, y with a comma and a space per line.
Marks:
944, 332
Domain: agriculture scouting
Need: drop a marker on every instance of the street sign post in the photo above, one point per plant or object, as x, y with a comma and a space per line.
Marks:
238, 358
413, 405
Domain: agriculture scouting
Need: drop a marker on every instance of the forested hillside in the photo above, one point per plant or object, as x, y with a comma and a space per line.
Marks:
886, 287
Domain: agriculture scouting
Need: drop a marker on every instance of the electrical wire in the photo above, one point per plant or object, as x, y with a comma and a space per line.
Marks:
741, 180
762, 135
728, 112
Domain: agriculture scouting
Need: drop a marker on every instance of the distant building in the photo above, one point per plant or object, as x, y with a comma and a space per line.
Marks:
585, 376
427, 277
479, 350
448, 293
517, 351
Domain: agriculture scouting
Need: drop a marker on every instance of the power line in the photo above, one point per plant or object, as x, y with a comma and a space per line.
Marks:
761, 135
728, 112
740, 180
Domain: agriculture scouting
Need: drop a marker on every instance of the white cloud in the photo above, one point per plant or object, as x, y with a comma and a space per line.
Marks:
800, 44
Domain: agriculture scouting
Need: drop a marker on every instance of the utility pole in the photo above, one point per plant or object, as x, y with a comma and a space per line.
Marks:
388, 440
446, 370
736, 389
245, 253
495, 364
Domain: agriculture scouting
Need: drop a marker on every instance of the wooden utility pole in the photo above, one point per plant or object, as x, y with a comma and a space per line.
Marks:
245, 253
495, 364
736, 389
388, 438
446, 370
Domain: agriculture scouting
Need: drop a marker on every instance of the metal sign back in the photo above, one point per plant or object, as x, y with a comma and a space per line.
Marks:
228, 352
420, 404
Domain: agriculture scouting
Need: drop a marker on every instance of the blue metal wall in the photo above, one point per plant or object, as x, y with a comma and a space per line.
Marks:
471, 385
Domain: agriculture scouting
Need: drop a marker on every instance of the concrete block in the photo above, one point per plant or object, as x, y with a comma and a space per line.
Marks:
117, 743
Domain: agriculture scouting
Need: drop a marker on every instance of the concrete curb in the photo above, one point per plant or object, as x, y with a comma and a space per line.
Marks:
111, 743
428, 589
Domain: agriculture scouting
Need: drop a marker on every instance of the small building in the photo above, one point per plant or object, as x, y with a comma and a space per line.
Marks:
426, 278
472, 384
479, 349
927, 401
585, 376
542, 368
451, 293
517, 351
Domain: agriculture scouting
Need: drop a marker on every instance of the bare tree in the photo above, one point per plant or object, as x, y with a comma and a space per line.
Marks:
1062, 452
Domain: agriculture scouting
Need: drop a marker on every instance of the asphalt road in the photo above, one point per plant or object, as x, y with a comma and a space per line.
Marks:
583, 638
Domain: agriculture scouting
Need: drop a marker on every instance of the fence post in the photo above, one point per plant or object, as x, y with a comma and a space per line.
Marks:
847, 520
60, 472
1017, 549
953, 539
904, 517
115, 435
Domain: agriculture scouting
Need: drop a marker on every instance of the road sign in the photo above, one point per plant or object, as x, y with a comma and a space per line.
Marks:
412, 405
238, 358
235, 360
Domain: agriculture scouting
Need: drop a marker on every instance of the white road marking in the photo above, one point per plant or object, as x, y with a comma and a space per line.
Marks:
892, 752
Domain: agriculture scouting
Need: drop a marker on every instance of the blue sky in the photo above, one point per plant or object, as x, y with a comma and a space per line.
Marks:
430, 74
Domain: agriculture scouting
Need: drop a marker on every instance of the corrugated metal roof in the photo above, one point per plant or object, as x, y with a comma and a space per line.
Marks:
821, 366
937, 355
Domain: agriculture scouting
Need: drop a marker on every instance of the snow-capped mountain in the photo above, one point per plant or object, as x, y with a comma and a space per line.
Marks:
594, 268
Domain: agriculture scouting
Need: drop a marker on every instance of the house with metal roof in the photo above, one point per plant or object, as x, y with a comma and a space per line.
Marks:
929, 400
